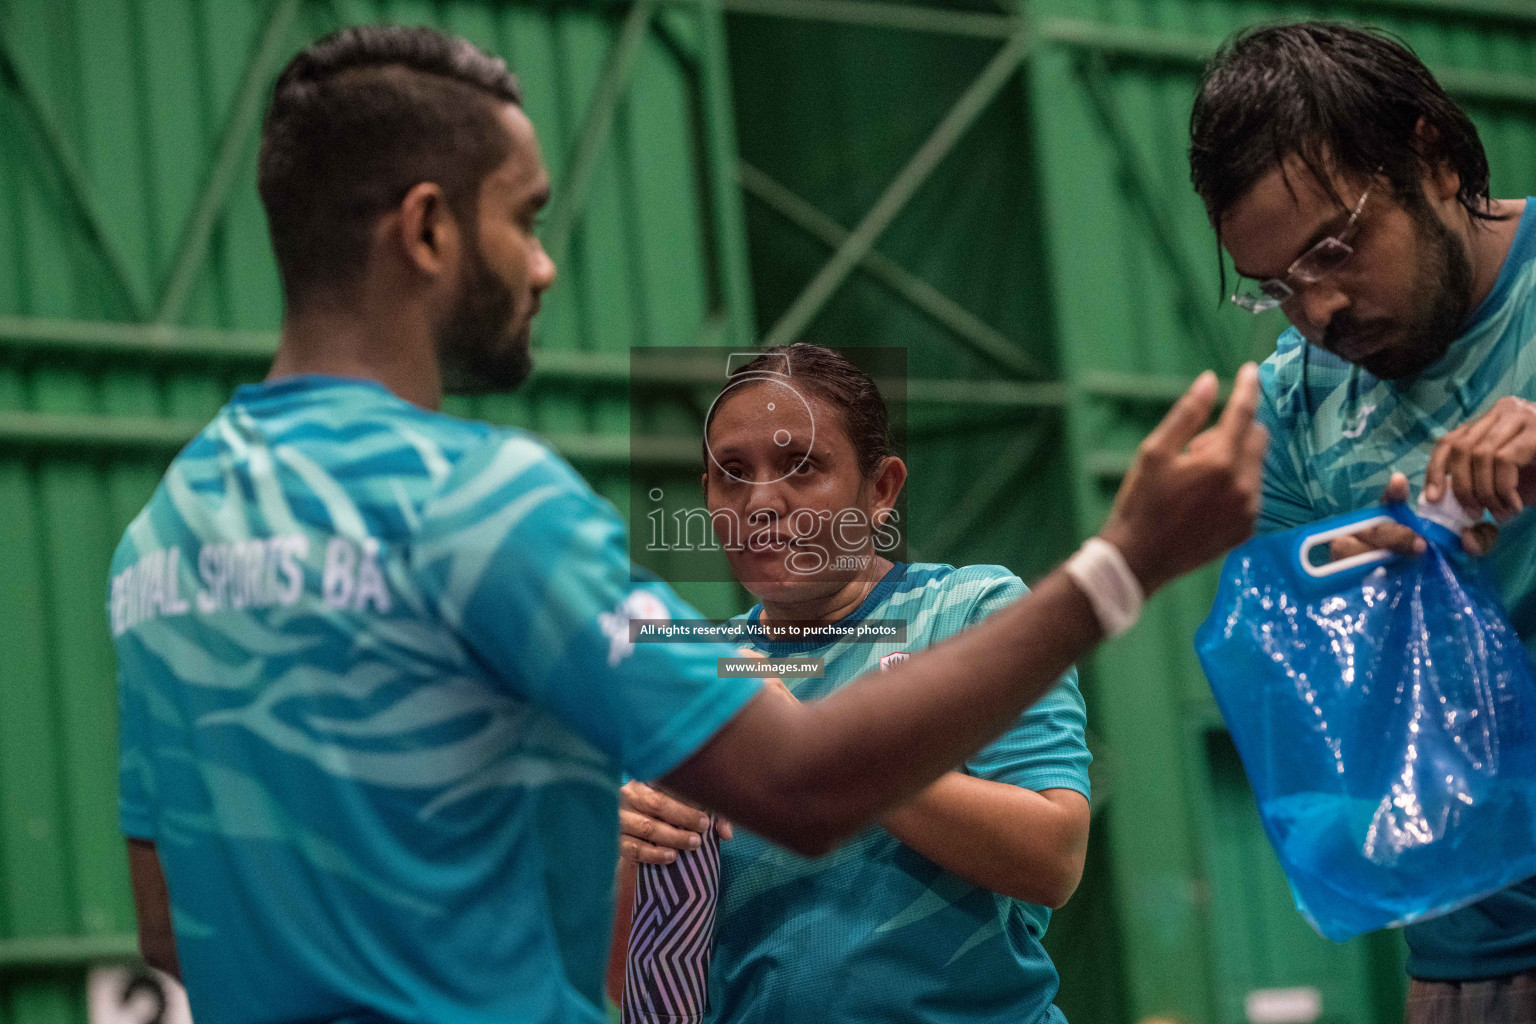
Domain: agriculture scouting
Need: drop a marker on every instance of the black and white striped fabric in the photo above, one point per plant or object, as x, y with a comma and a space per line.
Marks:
673, 933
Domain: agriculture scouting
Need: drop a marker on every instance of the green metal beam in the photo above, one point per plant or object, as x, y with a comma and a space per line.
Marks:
36, 336
1125, 41
239, 130
676, 30
1152, 208
968, 328
954, 125
83, 432
73, 180
1488, 86
999, 393
592, 137
89, 434
65, 951
733, 265
1151, 46
903, 17
29, 338
1108, 466
1121, 681
1512, 12
938, 20
1160, 390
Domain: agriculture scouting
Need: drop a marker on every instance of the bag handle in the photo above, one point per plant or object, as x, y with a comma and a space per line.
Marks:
1333, 568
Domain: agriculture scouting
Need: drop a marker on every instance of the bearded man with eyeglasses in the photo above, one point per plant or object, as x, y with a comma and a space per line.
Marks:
1353, 194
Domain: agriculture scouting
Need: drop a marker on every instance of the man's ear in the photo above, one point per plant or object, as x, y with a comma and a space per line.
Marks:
1440, 180
889, 480
426, 231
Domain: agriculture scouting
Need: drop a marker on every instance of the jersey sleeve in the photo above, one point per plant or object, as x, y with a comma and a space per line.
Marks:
1046, 748
1285, 496
530, 569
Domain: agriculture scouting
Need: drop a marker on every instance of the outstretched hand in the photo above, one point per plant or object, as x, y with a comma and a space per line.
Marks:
1192, 494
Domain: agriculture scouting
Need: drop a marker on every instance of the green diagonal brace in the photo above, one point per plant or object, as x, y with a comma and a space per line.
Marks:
75, 183
900, 191
571, 196
1206, 331
244, 113
967, 327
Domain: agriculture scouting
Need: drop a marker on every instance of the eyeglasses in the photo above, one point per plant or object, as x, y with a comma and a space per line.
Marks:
1310, 267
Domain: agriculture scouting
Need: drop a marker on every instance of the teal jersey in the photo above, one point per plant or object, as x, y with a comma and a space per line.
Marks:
875, 932
376, 692
1337, 434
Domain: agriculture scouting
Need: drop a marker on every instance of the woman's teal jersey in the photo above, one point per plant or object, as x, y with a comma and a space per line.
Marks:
875, 931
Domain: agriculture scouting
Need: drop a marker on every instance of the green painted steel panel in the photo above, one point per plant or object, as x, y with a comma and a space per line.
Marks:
127, 195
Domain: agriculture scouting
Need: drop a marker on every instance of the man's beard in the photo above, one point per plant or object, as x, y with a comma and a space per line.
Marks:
476, 354
1443, 282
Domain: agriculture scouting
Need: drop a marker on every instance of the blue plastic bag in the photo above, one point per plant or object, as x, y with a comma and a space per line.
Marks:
1385, 712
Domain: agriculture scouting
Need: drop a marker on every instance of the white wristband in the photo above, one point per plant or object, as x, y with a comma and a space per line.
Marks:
1099, 570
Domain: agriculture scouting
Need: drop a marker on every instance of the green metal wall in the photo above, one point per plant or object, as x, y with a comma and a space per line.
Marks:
999, 188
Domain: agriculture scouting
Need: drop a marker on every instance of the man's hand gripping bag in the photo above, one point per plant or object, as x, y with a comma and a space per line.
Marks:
1385, 712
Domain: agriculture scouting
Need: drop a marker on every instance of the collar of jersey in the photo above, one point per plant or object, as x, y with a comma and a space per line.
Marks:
1522, 250
872, 600
303, 384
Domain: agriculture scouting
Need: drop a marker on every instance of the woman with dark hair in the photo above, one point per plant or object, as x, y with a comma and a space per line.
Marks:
936, 914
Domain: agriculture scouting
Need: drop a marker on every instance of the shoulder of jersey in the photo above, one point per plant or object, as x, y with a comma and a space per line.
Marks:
951, 579
492, 439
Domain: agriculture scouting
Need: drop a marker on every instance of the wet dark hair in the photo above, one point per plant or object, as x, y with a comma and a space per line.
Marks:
357, 120
1334, 95
831, 377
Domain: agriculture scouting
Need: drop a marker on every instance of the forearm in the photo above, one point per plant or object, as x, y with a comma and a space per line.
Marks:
623, 920
1010, 840
822, 770
152, 907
